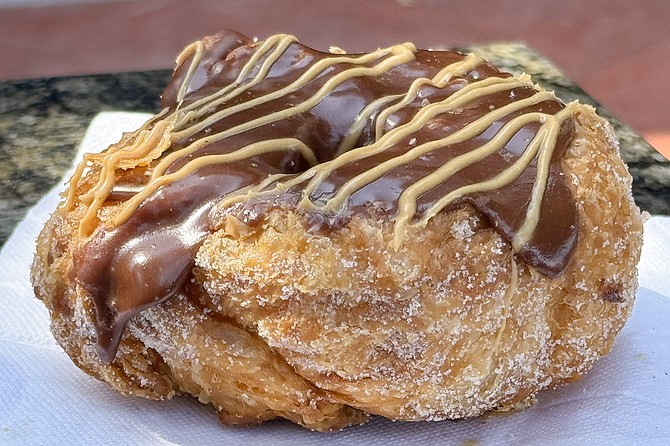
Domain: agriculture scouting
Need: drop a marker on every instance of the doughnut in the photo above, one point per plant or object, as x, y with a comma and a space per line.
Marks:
324, 236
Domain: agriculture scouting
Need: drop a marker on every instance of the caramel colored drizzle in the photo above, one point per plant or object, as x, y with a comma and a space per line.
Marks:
400, 54
335, 204
249, 151
509, 294
319, 173
408, 199
148, 144
272, 49
196, 48
391, 57
544, 142
439, 80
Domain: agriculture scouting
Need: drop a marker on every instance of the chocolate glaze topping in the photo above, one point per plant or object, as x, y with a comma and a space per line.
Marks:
399, 134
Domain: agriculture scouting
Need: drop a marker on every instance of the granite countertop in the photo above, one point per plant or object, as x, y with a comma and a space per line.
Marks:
43, 120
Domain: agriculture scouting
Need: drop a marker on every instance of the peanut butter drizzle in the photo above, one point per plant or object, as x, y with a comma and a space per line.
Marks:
398, 134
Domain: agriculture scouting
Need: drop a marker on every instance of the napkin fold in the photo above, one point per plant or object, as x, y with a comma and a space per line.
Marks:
45, 399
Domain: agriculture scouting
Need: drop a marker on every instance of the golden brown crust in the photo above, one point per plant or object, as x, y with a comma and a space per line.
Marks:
444, 327
323, 329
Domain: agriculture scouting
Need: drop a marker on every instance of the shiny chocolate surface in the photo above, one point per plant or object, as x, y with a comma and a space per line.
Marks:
400, 134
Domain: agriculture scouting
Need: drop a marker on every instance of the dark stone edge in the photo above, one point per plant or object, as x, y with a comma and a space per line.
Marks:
45, 119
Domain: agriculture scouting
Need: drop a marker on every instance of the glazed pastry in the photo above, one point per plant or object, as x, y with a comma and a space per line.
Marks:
322, 236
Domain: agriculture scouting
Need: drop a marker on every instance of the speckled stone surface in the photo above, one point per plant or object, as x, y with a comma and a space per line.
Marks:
43, 120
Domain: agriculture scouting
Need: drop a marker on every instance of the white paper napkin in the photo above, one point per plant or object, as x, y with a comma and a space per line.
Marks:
45, 399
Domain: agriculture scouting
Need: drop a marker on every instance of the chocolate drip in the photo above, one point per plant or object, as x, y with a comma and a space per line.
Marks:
147, 257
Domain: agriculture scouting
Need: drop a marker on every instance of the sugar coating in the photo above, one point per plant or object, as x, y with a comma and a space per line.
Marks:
438, 333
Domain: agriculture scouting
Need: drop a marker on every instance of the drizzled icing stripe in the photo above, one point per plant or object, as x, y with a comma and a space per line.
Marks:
390, 57
350, 187
246, 152
157, 140
439, 81
196, 49
549, 134
148, 144
399, 54
319, 173
544, 142
271, 49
